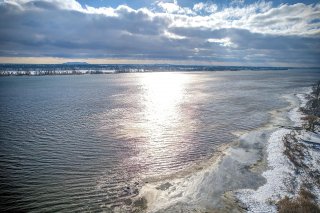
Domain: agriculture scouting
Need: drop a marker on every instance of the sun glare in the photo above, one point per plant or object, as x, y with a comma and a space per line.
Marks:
163, 94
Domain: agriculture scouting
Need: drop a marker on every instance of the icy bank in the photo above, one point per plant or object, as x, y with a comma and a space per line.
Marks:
207, 187
278, 178
284, 177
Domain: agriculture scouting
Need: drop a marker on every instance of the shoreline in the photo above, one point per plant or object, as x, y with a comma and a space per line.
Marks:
285, 181
83, 69
211, 185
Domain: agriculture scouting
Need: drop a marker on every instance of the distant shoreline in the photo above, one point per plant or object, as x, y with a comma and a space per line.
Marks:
83, 68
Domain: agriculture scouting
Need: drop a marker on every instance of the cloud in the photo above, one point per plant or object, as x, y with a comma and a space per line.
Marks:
254, 34
298, 19
174, 8
287, 20
47, 4
226, 42
205, 7
172, 35
237, 2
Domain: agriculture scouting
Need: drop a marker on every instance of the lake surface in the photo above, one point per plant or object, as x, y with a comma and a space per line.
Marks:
84, 143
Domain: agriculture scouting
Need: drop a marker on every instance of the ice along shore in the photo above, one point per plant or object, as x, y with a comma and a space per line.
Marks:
271, 169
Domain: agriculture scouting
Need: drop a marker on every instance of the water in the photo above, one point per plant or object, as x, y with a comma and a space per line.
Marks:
75, 143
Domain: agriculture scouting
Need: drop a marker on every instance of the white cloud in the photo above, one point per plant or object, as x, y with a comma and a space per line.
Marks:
297, 19
174, 8
172, 35
62, 4
226, 42
107, 11
199, 6
169, 7
205, 7
287, 20
237, 2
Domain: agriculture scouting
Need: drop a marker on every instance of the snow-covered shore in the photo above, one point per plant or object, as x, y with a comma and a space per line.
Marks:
284, 178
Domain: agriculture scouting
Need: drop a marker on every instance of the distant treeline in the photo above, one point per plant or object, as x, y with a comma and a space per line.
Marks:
78, 69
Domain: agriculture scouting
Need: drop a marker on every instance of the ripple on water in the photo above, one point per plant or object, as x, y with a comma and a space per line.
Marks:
77, 143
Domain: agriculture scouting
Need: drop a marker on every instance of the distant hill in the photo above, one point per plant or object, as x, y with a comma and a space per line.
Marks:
75, 63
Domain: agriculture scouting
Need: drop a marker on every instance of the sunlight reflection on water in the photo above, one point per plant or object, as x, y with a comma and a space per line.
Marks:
162, 96
151, 124
76, 143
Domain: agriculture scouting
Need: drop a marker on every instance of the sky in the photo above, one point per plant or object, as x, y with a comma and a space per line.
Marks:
229, 32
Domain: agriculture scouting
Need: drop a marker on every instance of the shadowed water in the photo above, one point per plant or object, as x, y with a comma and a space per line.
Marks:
83, 143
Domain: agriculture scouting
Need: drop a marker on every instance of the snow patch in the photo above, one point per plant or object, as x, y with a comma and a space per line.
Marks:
278, 178
281, 178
